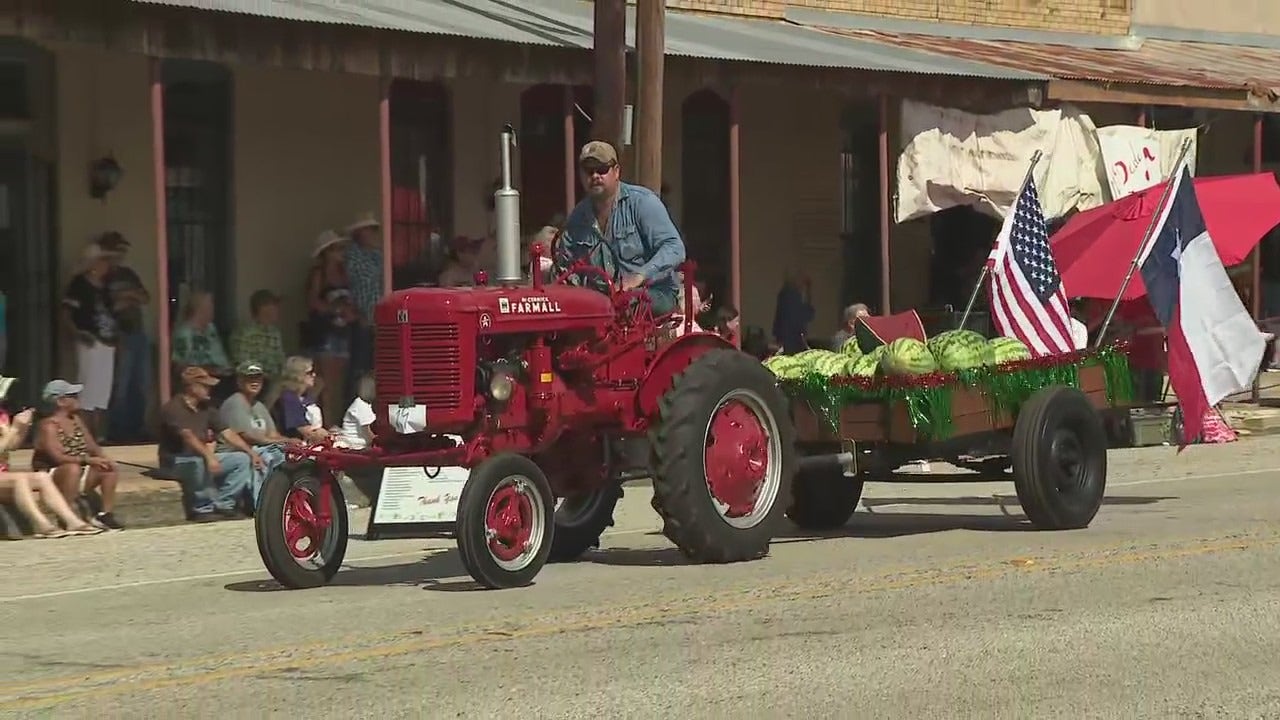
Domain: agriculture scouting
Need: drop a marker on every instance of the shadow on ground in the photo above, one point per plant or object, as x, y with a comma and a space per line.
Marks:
427, 572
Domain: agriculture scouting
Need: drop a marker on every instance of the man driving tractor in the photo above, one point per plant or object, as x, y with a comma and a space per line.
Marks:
623, 229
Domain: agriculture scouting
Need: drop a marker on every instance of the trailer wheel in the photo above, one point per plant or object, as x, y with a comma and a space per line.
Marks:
581, 520
723, 458
299, 549
1059, 457
505, 526
823, 498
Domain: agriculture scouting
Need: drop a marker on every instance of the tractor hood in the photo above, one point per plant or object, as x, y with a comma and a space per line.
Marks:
504, 310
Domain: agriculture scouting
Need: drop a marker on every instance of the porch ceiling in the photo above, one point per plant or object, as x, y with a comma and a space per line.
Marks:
568, 24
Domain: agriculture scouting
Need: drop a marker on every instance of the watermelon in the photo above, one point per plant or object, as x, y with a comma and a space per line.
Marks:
865, 366
829, 364
907, 356
1004, 349
957, 349
851, 348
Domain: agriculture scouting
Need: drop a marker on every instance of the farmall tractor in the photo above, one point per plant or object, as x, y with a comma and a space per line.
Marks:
559, 393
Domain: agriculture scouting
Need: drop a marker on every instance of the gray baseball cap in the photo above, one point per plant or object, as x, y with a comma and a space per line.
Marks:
60, 388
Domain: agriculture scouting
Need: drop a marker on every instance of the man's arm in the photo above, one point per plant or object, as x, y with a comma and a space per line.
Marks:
661, 236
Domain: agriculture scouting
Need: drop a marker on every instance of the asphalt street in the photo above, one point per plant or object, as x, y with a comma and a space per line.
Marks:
937, 601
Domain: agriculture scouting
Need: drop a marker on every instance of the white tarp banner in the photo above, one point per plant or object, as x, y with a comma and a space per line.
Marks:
953, 158
1137, 158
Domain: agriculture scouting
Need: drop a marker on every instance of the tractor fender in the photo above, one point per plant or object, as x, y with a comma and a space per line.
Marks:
670, 362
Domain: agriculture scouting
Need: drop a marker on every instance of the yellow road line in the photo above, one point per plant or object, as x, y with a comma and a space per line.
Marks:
77, 687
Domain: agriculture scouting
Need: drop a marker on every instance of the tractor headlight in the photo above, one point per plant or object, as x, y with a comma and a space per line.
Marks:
501, 385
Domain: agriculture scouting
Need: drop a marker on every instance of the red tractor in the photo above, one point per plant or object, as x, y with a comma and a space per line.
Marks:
559, 394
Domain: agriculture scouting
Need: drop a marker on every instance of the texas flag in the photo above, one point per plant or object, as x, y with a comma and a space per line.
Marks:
1214, 346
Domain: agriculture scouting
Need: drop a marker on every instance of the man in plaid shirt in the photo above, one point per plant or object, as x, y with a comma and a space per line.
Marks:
364, 272
259, 342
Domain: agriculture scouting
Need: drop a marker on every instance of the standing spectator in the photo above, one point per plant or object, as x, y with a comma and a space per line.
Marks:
244, 413
364, 271
792, 314
852, 315
22, 488
331, 315
66, 448
196, 342
290, 409
128, 413
88, 318
212, 479
259, 341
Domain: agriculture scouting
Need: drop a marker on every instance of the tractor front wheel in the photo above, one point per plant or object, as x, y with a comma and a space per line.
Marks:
505, 521
299, 547
723, 459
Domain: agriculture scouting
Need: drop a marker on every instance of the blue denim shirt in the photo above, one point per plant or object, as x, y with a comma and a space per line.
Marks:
643, 238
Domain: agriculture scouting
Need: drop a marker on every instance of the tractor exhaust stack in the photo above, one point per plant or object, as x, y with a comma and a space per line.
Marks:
506, 208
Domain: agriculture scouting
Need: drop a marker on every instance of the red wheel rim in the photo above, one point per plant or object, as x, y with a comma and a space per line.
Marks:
303, 532
512, 518
740, 458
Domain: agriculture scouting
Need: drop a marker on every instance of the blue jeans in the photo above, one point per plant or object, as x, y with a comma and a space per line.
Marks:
128, 412
202, 491
272, 457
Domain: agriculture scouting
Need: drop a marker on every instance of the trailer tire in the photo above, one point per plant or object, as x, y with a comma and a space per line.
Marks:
287, 496
723, 436
1059, 455
579, 525
823, 499
505, 523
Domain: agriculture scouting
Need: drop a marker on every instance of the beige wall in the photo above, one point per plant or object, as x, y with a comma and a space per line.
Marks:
1244, 16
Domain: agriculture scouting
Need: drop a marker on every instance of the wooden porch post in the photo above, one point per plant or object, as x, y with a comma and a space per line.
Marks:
735, 202
570, 153
651, 47
384, 162
1256, 295
885, 307
163, 329
610, 39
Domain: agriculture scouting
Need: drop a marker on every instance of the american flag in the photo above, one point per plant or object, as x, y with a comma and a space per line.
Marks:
1027, 299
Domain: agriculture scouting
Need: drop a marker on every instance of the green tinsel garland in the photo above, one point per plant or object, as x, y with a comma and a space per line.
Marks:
928, 397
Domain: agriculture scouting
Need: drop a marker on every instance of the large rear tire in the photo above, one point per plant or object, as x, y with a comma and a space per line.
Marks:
824, 498
723, 459
581, 520
505, 521
296, 549
1059, 457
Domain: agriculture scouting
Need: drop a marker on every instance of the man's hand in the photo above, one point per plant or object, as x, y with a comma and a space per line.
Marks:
213, 465
258, 462
631, 282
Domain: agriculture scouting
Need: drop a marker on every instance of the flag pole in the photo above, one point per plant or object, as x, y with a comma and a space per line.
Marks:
986, 269
1146, 240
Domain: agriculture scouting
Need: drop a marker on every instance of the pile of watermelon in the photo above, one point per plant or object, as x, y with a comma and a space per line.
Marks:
947, 352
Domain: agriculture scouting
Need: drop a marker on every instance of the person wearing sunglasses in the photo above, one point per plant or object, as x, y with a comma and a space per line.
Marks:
65, 448
623, 229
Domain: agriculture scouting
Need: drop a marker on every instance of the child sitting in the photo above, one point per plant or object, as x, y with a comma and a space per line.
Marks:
357, 423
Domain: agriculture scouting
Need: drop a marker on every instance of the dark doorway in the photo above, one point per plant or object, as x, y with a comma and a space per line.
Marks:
542, 151
704, 180
860, 207
197, 154
421, 181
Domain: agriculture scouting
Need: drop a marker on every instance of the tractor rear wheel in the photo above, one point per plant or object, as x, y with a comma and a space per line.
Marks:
505, 521
299, 549
580, 521
723, 457
1059, 454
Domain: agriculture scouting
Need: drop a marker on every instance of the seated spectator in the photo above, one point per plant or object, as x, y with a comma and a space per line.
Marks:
852, 315
259, 341
65, 447
189, 427
21, 489
196, 342
357, 423
291, 410
244, 413
724, 321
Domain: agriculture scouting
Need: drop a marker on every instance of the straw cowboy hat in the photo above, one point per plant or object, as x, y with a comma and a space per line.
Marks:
326, 240
366, 220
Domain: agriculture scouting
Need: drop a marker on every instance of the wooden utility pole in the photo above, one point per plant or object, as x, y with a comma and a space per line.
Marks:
651, 47
610, 47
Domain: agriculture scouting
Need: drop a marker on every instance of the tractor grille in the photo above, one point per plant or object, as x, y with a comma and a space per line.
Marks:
434, 365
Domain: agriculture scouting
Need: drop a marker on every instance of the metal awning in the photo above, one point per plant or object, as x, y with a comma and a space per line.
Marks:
568, 23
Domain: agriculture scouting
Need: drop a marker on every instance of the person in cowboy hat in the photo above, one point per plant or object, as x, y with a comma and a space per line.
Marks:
462, 264
331, 316
87, 316
364, 270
